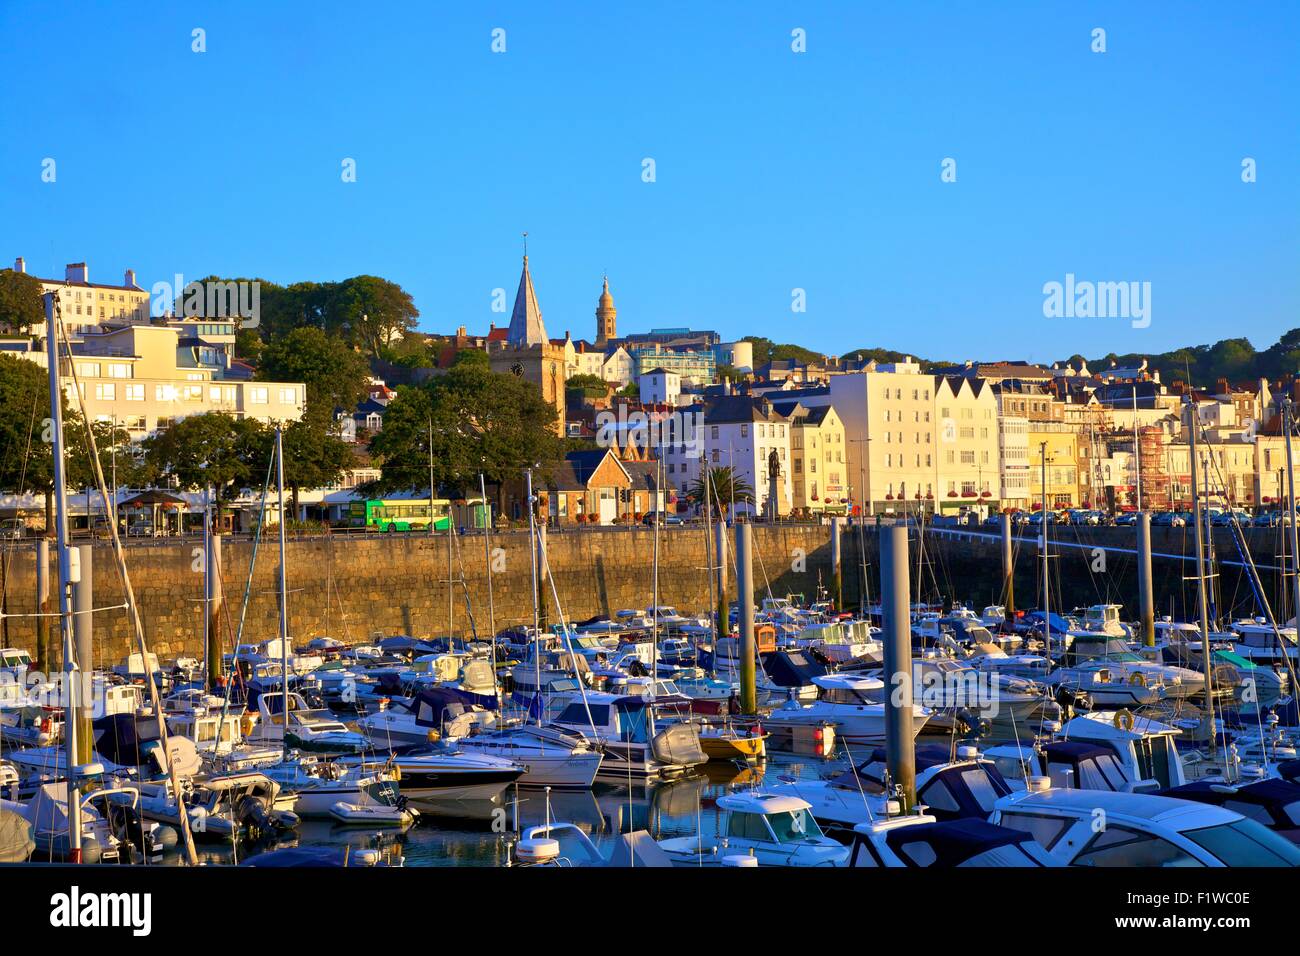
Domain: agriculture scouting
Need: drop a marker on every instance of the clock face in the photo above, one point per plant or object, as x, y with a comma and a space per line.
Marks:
948, 430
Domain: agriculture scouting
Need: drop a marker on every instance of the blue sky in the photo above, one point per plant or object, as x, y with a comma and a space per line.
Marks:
774, 170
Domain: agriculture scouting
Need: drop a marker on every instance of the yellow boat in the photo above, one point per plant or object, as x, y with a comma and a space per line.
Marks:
728, 743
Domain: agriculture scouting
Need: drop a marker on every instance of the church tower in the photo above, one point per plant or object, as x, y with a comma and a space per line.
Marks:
606, 315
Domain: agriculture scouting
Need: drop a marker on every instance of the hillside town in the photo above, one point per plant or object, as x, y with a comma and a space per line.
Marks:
630, 417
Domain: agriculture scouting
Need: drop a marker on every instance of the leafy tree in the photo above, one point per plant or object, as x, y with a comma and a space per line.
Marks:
588, 384
372, 311
335, 374
215, 449
21, 305
313, 457
26, 455
481, 421
725, 485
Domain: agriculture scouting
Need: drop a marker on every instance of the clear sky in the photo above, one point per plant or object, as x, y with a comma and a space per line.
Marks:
774, 170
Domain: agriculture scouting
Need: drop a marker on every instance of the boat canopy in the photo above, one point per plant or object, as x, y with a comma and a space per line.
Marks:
792, 668
433, 705
126, 739
951, 842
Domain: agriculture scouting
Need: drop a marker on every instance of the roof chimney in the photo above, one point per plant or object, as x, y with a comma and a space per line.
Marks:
20, 264
75, 272
130, 279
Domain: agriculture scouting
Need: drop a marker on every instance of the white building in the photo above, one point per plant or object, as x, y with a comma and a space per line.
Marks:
660, 387
741, 433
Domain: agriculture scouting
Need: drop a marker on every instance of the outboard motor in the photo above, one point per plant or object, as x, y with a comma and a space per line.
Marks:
678, 744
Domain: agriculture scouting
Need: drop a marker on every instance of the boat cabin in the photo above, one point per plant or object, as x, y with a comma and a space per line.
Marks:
1145, 748
950, 789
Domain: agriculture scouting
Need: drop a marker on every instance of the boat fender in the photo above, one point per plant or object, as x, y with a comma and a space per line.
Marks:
1123, 720
739, 860
247, 723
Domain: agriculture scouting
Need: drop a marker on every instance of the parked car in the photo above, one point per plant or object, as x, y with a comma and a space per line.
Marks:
1126, 520
1141, 830
1168, 519
13, 528
664, 518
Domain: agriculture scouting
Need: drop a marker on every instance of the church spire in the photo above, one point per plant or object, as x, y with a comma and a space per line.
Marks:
526, 326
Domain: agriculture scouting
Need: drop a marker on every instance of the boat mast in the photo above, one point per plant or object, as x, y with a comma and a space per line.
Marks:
284, 590
716, 630
487, 557
1047, 614
1137, 450
654, 620
60, 491
1202, 602
1290, 520
537, 624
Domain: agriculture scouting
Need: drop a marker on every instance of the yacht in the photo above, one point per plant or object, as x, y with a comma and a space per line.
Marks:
550, 756
315, 731
1113, 675
919, 840
623, 729
850, 703
774, 830
443, 777
432, 713
966, 785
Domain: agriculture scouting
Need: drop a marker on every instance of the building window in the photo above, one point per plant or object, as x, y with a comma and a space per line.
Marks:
135, 393
105, 391
288, 396
257, 395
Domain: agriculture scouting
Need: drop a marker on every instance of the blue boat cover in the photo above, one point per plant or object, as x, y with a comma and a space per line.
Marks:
953, 841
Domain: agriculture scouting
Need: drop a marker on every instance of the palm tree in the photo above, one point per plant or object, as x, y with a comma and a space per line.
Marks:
725, 487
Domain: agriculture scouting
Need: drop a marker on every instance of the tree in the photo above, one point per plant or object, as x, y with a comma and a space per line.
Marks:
588, 384
372, 310
335, 374
21, 304
214, 448
725, 486
482, 421
26, 455
313, 457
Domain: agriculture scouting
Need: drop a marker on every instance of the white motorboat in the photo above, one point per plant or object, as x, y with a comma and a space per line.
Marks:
440, 777
967, 786
775, 830
850, 703
315, 731
432, 713
624, 730
550, 757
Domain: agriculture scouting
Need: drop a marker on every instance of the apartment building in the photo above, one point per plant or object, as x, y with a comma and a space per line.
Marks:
142, 378
1013, 459
738, 432
1057, 442
967, 470
87, 304
818, 462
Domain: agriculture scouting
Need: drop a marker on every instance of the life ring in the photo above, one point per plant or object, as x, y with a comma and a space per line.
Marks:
1138, 680
1123, 720
246, 724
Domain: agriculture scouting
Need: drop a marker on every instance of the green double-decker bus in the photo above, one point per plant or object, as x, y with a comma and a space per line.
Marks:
399, 514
